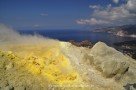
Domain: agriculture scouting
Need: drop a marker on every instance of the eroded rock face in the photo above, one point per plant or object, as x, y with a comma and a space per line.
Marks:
113, 63
109, 61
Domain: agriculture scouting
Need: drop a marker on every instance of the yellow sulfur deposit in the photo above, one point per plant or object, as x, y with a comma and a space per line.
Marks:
51, 64
64, 67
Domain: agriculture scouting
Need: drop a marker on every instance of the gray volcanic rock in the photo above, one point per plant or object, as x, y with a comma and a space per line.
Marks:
85, 43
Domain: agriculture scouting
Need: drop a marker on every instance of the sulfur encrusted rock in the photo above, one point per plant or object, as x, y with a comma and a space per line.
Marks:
103, 65
65, 67
110, 61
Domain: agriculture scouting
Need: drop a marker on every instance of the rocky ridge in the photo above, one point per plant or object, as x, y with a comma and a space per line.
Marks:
65, 66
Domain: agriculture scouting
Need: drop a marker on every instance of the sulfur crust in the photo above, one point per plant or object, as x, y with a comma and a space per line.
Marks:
51, 64
63, 66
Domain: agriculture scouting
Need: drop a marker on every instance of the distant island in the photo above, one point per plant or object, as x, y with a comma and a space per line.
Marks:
123, 31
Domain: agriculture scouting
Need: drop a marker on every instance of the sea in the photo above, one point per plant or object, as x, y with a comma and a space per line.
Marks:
77, 35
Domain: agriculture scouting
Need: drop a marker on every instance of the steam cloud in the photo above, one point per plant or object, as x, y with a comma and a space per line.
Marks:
10, 36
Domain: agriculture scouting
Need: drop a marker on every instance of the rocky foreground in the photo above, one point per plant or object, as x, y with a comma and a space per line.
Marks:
63, 66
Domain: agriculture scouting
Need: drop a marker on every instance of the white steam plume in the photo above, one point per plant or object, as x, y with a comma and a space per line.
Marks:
10, 36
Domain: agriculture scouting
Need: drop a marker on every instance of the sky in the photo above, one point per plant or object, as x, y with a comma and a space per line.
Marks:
66, 14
